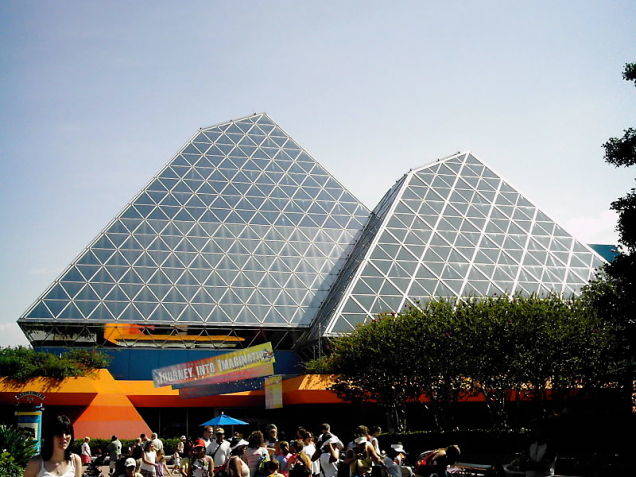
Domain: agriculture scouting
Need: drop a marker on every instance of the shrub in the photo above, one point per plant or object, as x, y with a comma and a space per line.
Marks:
9, 467
17, 444
21, 363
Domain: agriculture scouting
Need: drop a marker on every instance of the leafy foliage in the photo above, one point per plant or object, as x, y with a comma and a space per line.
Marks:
21, 363
9, 467
629, 73
621, 151
490, 345
17, 444
613, 293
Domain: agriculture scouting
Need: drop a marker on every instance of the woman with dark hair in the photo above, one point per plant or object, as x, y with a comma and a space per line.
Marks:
56, 459
255, 451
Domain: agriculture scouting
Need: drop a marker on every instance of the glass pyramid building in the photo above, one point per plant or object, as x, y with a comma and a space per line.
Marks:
241, 229
453, 228
243, 237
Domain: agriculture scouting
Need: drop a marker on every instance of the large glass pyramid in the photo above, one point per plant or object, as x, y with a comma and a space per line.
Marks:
452, 229
241, 228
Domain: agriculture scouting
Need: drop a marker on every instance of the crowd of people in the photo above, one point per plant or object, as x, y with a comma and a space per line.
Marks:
263, 454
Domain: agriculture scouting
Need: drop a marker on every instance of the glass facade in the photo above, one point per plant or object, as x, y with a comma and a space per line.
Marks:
453, 228
243, 233
242, 227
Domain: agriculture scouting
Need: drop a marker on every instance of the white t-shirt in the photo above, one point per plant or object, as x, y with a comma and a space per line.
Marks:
219, 452
328, 469
252, 456
310, 450
158, 444
150, 456
86, 449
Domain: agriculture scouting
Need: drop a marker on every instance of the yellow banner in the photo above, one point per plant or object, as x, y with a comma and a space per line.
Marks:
274, 392
221, 368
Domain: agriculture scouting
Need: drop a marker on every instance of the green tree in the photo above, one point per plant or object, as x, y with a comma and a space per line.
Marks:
372, 366
613, 292
437, 351
492, 345
21, 363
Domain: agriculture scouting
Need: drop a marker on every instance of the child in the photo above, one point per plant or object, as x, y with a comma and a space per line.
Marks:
271, 468
161, 468
176, 460
282, 456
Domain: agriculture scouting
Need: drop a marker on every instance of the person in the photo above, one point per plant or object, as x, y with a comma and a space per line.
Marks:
329, 456
309, 448
359, 431
176, 460
271, 436
181, 446
130, 466
282, 455
235, 466
325, 433
137, 452
271, 468
218, 449
148, 460
161, 469
207, 435
86, 451
299, 464
541, 459
114, 452
394, 460
201, 465
359, 458
255, 452
374, 432
56, 459
157, 442
437, 461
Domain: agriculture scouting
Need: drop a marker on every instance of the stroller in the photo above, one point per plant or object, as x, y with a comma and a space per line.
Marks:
92, 469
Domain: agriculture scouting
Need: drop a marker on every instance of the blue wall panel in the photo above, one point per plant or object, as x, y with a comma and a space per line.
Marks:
137, 364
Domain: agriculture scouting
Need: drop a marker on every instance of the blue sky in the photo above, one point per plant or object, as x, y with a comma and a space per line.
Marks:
96, 96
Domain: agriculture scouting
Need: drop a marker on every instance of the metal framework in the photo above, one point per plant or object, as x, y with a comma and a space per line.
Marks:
453, 228
242, 227
244, 237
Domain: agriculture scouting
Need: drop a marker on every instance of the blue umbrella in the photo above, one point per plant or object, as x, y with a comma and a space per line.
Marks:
224, 420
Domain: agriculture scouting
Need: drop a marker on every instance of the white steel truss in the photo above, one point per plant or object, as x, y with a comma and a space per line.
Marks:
241, 227
452, 229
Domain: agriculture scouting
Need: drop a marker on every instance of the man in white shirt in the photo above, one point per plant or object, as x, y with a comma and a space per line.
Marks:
157, 442
207, 435
330, 454
218, 449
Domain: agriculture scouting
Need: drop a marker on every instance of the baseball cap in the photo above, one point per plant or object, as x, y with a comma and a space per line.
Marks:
130, 462
199, 443
219, 430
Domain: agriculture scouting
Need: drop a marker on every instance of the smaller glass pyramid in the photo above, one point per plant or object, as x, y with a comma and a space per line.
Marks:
453, 228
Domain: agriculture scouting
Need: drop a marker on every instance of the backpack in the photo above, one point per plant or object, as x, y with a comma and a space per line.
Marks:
260, 465
300, 469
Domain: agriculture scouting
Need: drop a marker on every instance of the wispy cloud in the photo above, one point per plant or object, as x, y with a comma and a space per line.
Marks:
595, 228
41, 271
11, 335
